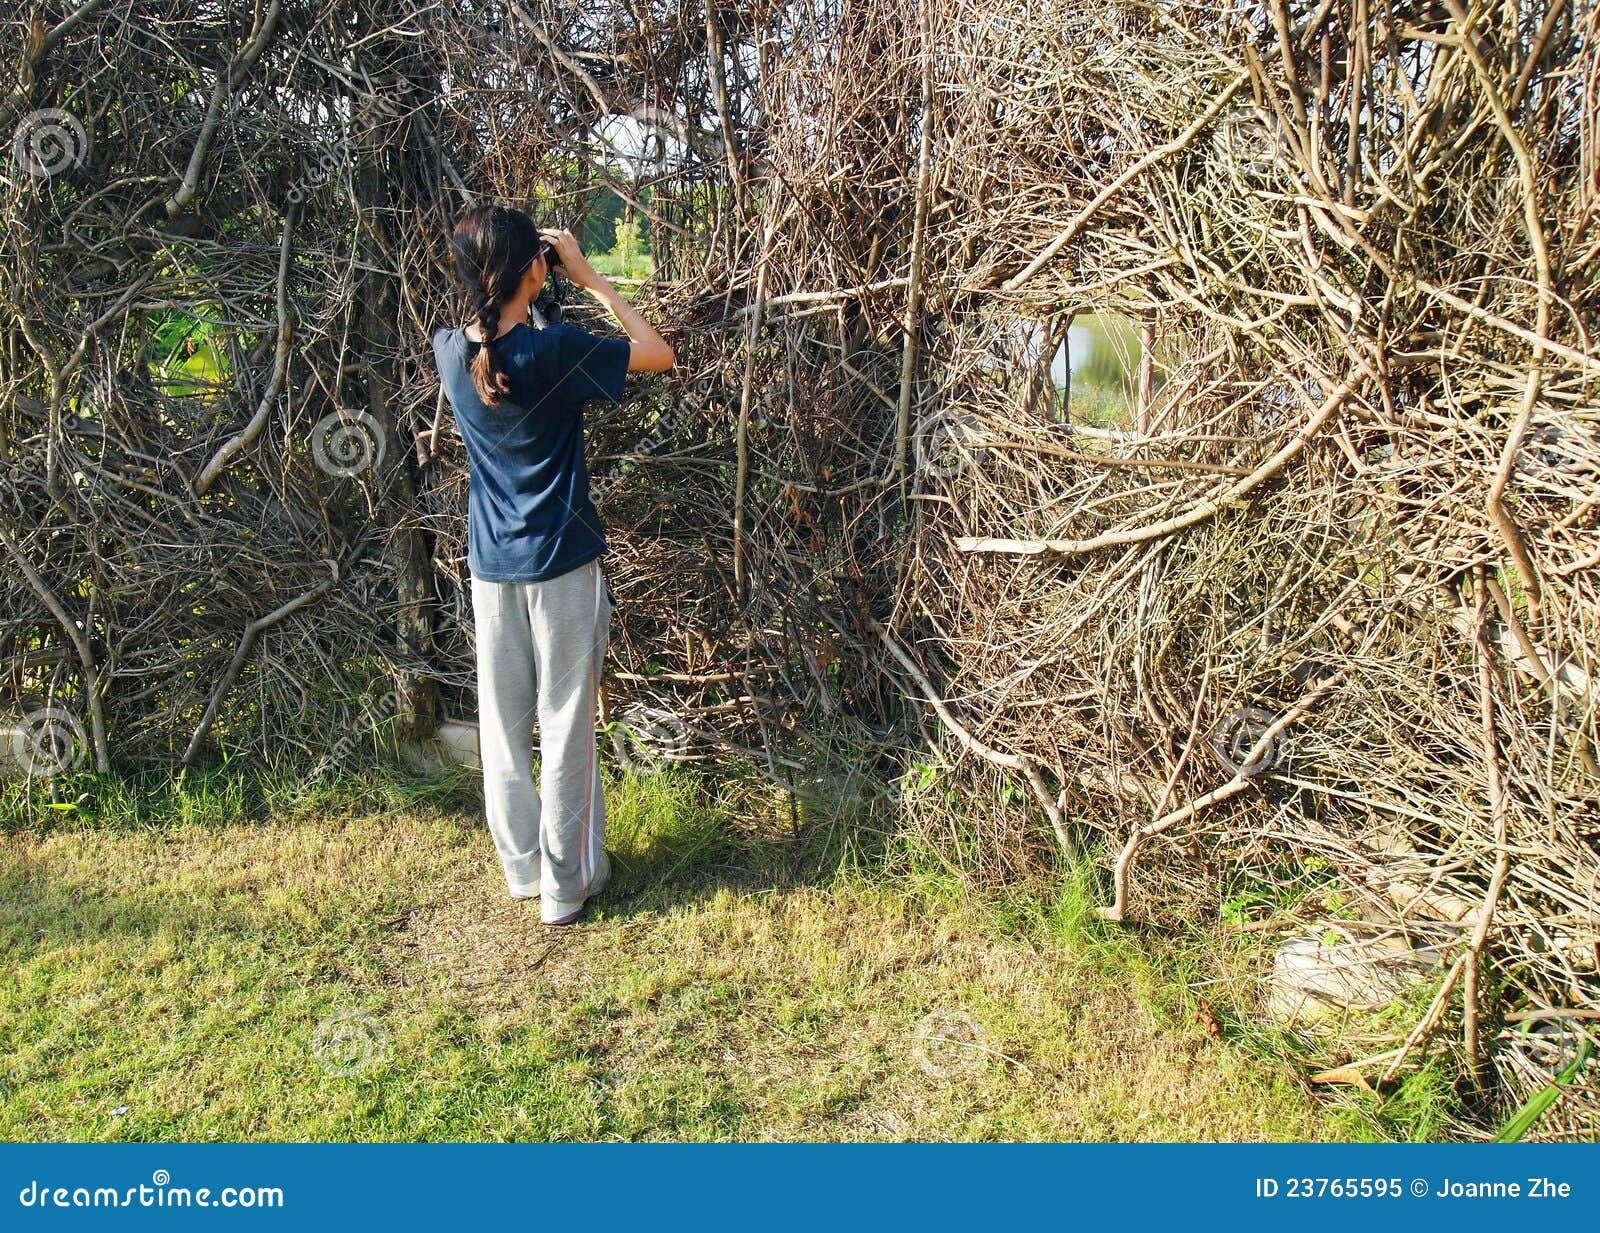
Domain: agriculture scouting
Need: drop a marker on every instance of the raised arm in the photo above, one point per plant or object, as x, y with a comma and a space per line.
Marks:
649, 352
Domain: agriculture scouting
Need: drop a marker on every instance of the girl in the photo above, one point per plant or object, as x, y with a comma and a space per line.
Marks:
541, 606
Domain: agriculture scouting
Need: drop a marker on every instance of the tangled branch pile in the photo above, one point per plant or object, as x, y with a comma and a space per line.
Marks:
1321, 584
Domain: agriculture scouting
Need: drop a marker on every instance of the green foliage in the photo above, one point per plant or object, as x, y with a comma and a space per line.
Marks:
1418, 1109
184, 356
226, 793
1098, 406
629, 255
630, 240
1104, 352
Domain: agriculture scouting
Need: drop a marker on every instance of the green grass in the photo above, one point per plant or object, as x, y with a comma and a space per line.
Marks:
172, 949
628, 258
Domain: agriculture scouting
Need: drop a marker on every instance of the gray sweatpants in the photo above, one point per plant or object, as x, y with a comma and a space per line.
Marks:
540, 648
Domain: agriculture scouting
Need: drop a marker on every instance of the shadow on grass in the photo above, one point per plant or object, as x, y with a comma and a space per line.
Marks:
678, 839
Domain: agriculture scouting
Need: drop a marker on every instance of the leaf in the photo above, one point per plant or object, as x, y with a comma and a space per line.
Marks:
1342, 1074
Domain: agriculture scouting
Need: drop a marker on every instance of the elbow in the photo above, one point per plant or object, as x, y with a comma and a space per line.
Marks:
652, 359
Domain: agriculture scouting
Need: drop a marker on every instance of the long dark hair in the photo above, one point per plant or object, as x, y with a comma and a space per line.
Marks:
493, 247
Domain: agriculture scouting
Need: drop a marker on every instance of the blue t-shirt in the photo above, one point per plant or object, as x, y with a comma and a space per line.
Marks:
529, 513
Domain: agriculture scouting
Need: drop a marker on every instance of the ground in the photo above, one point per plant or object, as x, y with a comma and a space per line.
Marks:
205, 974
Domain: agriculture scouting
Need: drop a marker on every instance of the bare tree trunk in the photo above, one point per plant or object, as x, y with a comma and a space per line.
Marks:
408, 554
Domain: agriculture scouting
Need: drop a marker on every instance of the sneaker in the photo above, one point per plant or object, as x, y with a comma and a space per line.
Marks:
557, 913
525, 890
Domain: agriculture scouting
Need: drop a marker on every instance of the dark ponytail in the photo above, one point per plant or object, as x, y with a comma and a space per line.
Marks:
493, 247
